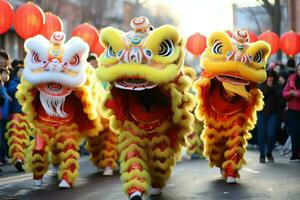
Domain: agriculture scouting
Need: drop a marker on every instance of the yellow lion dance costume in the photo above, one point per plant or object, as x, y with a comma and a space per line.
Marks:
228, 97
195, 144
147, 102
59, 95
18, 134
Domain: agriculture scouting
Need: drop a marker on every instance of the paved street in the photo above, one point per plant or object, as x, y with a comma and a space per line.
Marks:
191, 180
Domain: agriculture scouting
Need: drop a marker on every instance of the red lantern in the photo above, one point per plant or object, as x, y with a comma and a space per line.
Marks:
52, 23
6, 16
87, 32
196, 44
271, 38
97, 48
229, 33
290, 43
252, 36
28, 20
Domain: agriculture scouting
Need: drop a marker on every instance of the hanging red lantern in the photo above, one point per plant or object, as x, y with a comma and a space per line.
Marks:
196, 44
229, 33
271, 38
52, 23
252, 36
97, 48
6, 16
28, 20
86, 32
290, 43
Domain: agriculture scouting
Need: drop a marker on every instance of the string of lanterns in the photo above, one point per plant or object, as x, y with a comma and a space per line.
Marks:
30, 20
289, 42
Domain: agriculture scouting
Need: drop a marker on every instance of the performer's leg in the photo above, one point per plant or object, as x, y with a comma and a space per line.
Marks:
103, 149
214, 146
134, 169
195, 146
234, 155
68, 142
17, 136
192, 144
55, 156
162, 157
40, 157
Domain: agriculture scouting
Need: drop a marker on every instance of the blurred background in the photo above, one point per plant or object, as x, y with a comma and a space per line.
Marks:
190, 16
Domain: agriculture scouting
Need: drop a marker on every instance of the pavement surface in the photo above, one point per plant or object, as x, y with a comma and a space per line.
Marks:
191, 180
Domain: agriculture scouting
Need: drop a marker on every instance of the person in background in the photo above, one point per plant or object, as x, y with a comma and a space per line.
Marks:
4, 111
267, 123
12, 87
4, 59
291, 93
4, 103
92, 59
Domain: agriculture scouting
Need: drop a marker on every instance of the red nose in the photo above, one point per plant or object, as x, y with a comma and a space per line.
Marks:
54, 86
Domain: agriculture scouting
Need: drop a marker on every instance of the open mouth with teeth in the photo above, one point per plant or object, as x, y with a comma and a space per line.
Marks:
134, 84
226, 94
232, 79
140, 101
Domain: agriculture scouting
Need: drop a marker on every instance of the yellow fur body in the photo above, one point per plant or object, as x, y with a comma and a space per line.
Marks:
226, 132
62, 141
148, 156
18, 136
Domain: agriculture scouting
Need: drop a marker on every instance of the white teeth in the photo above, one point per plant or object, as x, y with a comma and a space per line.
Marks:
137, 88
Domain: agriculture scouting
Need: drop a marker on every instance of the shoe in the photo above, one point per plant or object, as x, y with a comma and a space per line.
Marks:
262, 159
294, 159
108, 171
155, 191
230, 180
19, 166
136, 196
270, 157
64, 185
37, 183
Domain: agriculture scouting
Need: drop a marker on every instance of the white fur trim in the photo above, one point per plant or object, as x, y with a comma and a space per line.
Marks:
53, 105
56, 77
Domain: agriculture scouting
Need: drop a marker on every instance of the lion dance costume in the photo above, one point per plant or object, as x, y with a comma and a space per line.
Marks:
228, 97
60, 96
18, 134
195, 144
147, 101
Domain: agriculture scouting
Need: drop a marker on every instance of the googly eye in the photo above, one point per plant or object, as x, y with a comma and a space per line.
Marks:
75, 60
110, 52
217, 47
120, 54
148, 53
166, 48
35, 57
258, 57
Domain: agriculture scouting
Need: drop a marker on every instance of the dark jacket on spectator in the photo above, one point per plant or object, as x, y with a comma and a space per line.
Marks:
272, 98
11, 90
